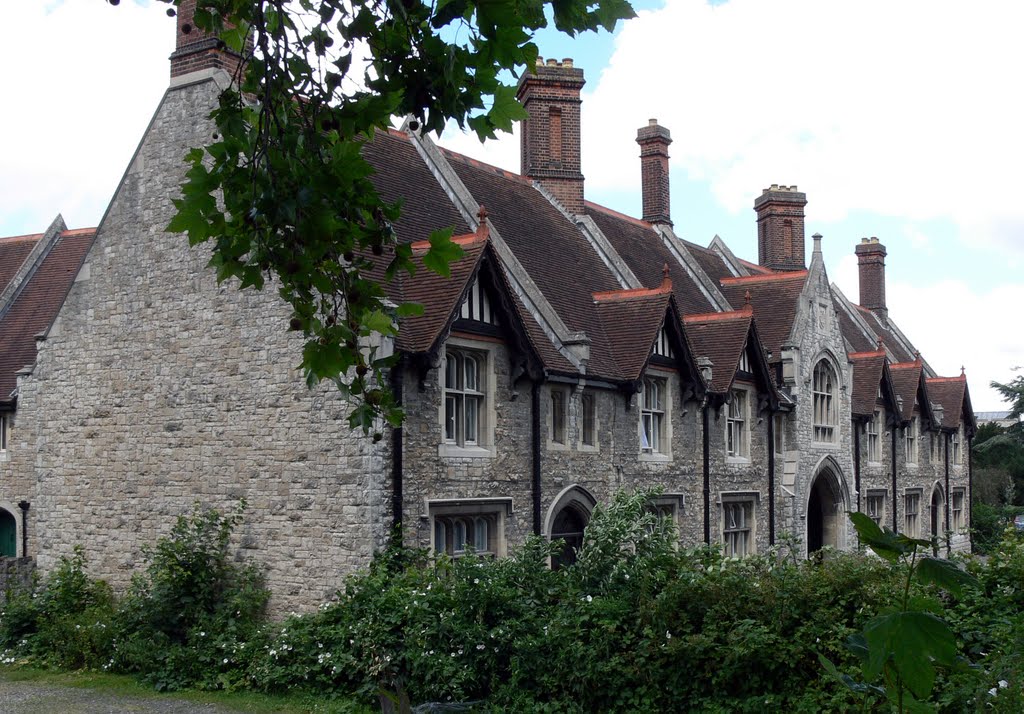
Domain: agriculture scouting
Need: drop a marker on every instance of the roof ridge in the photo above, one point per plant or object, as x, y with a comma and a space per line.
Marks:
961, 378
862, 355
717, 316
631, 293
470, 161
70, 232
26, 237
616, 214
742, 279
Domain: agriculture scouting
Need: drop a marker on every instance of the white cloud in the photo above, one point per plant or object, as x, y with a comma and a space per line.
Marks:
905, 109
986, 341
81, 81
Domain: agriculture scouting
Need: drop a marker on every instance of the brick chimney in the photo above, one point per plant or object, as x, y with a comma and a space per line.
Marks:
780, 228
871, 262
550, 146
654, 140
196, 50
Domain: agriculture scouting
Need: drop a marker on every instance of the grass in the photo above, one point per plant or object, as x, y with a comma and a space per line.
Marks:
123, 686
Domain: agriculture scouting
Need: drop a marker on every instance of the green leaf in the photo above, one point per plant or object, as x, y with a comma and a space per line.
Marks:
379, 321
943, 573
914, 642
442, 252
506, 109
885, 544
409, 309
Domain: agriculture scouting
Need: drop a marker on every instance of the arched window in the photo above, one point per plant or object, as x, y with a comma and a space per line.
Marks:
825, 406
8, 534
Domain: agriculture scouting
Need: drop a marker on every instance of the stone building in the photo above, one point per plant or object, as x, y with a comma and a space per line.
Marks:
574, 352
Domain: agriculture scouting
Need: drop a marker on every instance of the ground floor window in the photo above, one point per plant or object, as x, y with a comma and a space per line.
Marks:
912, 514
459, 527
957, 513
738, 525
876, 506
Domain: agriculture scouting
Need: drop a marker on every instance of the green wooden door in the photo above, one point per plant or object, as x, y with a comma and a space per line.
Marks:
8, 534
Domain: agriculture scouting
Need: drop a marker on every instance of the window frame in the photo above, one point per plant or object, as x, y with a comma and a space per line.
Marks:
659, 416
878, 496
588, 412
957, 522
738, 502
779, 435
956, 447
874, 437
5, 422
471, 514
737, 426
558, 417
825, 398
482, 395
911, 442
910, 495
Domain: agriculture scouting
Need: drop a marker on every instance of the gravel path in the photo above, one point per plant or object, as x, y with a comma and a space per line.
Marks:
33, 698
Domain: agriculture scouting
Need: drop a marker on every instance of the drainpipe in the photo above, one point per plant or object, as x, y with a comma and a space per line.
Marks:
23, 505
707, 474
771, 478
535, 436
856, 461
397, 467
945, 507
894, 497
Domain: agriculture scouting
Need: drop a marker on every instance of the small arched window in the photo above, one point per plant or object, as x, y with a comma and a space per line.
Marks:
825, 406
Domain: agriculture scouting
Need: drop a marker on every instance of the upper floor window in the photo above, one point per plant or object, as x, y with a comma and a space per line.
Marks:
464, 397
874, 437
558, 413
737, 436
779, 434
825, 406
3, 432
652, 416
911, 438
588, 405
936, 447
955, 447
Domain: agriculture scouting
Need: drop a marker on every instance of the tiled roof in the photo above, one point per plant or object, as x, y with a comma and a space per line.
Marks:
646, 255
710, 261
948, 392
868, 369
775, 298
553, 251
854, 335
892, 342
907, 381
630, 320
13, 252
721, 338
36, 307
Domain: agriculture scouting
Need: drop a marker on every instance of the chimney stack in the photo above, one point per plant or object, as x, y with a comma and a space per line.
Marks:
871, 262
780, 228
550, 142
654, 140
197, 50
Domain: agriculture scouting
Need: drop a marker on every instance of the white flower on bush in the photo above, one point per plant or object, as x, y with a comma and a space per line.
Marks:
589, 598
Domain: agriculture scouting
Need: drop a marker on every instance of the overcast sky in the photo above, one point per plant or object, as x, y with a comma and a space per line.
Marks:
899, 118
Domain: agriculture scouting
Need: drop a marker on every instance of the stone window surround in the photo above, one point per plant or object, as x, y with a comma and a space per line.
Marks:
876, 493
825, 402
874, 429
958, 523
498, 508
743, 455
664, 452
908, 494
566, 393
751, 497
484, 448
585, 394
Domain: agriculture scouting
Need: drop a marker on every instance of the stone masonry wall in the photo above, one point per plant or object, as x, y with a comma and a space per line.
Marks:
158, 389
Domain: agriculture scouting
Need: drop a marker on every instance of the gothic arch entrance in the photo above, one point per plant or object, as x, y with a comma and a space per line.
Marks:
826, 505
8, 534
936, 511
567, 520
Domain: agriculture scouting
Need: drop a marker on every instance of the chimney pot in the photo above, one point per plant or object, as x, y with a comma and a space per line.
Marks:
567, 62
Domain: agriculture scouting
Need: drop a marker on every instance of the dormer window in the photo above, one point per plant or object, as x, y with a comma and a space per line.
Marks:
825, 407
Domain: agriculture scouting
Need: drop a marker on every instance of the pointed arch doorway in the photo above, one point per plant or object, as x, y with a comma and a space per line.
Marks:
826, 505
567, 521
937, 509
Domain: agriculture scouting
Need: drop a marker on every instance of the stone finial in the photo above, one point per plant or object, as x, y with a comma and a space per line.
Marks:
963, 371
481, 227
666, 281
